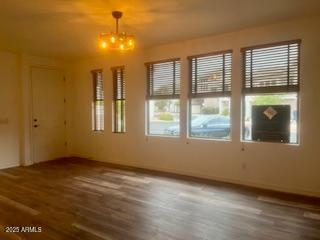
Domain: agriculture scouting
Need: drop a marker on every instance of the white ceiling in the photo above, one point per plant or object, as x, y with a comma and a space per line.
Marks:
67, 28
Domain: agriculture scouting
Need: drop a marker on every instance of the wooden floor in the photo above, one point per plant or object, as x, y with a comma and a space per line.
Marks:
81, 199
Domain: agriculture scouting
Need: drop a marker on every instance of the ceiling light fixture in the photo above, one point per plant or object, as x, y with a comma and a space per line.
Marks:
117, 41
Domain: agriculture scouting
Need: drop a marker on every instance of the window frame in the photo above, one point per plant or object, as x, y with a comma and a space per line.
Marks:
122, 100
192, 96
295, 89
94, 74
151, 97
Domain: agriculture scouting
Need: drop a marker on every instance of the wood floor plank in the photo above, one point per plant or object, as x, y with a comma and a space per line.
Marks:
8, 236
222, 204
92, 231
314, 216
135, 179
8, 175
288, 203
19, 205
98, 182
86, 200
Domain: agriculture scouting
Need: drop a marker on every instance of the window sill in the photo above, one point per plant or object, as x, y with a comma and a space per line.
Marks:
209, 139
276, 143
98, 132
163, 136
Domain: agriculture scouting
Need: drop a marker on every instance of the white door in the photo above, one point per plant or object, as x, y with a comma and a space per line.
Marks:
48, 118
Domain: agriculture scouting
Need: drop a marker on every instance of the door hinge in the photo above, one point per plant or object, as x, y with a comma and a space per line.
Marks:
64, 78
65, 122
64, 100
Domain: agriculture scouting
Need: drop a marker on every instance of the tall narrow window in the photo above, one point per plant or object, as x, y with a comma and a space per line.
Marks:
270, 90
210, 91
119, 100
163, 97
98, 101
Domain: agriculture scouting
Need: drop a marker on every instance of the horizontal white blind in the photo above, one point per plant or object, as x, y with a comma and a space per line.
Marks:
273, 68
98, 101
211, 74
119, 95
164, 79
119, 83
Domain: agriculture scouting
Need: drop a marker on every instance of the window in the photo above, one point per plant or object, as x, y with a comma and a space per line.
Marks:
210, 93
98, 101
119, 100
163, 97
271, 92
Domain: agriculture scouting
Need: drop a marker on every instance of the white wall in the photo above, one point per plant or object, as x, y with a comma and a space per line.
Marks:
276, 166
15, 106
9, 110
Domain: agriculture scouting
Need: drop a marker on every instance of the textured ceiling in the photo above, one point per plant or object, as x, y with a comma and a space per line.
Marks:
67, 28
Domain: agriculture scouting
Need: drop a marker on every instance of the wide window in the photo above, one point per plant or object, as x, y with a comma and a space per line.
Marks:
119, 100
210, 91
163, 97
98, 101
271, 91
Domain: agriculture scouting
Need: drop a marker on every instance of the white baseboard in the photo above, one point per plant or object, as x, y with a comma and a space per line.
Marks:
9, 165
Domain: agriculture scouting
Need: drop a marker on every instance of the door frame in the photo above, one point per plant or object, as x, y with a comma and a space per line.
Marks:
28, 141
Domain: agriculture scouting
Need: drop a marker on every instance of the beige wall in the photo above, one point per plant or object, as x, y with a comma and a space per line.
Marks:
277, 166
9, 110
15, 106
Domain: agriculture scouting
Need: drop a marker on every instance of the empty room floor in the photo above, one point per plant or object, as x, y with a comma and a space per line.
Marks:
83, 199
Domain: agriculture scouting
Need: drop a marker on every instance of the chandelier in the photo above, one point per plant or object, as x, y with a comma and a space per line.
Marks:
117, 41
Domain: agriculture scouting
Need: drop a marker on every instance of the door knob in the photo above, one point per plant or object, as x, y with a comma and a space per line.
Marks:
35, 125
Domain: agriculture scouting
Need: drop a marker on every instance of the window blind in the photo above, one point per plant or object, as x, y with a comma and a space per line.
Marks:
272, 68
98, 101
210, 74
118, 83
119, 94
164, 79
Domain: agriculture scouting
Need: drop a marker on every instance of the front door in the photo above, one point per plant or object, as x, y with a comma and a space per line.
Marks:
48, 117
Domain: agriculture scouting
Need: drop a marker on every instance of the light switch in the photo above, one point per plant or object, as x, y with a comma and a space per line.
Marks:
4, 121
